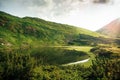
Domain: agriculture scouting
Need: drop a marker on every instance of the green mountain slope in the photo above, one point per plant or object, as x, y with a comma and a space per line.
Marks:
34, 31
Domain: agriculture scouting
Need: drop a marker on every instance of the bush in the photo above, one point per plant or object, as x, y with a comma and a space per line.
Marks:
94, 49
14, 66
104, 69
101, 52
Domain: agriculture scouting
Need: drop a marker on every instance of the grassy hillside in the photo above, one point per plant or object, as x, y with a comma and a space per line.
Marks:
34, 31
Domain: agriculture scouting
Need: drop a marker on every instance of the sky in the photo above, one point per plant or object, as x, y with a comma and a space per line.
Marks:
88, 14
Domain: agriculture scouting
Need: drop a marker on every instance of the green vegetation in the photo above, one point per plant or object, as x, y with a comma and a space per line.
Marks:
108, 52
85, 49
17, 66
35, 49
104, 69
83, 39
28, 31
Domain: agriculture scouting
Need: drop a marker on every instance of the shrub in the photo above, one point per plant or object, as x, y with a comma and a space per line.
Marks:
14, 66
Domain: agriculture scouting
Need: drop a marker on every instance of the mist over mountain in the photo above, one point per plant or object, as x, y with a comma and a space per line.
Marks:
112, 29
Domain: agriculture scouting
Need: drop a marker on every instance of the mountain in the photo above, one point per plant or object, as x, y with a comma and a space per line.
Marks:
112, 29
15, 31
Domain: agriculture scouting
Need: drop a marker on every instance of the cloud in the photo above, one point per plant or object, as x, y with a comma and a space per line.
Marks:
64, 11
43, 7
101, 1
48, 8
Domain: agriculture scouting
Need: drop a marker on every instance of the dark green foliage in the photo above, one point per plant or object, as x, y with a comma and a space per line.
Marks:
59, 72
104, 69
14, 66
19, 66
94, 49
101, 52
104, 53
84, 39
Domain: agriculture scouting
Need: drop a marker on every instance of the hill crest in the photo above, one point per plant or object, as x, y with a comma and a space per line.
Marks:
112, 29
35, 31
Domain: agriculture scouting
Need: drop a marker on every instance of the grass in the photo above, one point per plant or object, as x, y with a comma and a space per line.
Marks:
34, 31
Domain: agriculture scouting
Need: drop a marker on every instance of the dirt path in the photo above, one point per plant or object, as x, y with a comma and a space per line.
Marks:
77, 62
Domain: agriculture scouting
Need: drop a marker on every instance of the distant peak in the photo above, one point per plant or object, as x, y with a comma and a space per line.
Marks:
112, 29
118, 19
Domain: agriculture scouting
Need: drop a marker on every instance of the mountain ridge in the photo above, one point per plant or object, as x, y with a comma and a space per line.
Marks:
112, 29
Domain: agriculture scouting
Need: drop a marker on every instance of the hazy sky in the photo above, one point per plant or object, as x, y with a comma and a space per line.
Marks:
89, 14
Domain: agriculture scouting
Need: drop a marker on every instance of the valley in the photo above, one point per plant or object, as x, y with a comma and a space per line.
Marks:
35, 49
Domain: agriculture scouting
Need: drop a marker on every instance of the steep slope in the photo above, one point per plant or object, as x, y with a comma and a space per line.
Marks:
112, 29
34, 31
